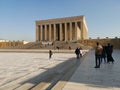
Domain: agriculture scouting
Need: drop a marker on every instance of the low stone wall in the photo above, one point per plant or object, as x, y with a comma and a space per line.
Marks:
7, 44
88, 42
92, 42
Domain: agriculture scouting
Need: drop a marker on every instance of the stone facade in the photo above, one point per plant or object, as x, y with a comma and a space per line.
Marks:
62, 29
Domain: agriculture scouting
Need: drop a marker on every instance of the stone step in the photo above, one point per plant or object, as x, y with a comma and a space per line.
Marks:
26, 86
18, 82
45, 83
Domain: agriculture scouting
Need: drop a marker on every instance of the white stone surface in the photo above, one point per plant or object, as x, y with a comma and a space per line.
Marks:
86, 77
21, 66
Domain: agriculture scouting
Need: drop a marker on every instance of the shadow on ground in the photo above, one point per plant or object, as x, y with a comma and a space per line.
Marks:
52, 75
107, 76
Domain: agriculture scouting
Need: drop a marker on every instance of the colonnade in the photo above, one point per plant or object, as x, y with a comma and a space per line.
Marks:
63, 31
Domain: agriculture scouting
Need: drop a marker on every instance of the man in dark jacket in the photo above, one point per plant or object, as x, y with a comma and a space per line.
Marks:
98, 54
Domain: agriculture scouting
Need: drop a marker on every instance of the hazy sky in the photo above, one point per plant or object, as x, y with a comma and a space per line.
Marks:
17, 17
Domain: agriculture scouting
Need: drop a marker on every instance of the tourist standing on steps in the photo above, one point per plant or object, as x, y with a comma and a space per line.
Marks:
50, 54
98, 54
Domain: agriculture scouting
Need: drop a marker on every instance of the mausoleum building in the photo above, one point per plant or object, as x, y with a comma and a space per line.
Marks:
62, 29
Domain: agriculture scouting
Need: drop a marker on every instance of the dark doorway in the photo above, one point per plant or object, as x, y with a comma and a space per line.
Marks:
43, 33
57, 32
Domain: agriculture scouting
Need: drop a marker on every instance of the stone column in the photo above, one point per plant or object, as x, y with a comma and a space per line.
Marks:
70, 31
81, 29
66, 35
75, 30
45, 32
61, 36
41, 30
54, 32
50, 32
37, 33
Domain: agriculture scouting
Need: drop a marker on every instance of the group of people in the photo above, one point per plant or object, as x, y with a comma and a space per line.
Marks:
101, 52
78, 52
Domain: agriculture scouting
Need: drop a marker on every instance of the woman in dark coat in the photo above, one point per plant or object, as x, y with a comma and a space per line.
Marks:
109, 51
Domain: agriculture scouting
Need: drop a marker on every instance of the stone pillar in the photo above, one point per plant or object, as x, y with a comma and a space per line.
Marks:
70, 31
75, 30
50, 32
82, 30
41, 30
45, 32
66, 35
37, 33
54, 32
61, 36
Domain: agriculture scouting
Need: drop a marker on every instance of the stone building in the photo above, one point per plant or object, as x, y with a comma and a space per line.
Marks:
62, 29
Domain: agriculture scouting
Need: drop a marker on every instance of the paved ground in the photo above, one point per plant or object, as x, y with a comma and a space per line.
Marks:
21, 70
27, 69
86, 77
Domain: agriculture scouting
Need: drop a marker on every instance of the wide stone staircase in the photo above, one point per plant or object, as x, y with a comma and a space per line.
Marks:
52, 45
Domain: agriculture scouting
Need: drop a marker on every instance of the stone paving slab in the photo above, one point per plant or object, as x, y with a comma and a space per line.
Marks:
16, 68
86, 77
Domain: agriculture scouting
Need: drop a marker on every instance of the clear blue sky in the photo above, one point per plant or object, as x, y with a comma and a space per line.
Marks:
17, 17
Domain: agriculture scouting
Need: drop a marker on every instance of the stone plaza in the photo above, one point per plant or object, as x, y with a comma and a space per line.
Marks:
20, 69
26, 70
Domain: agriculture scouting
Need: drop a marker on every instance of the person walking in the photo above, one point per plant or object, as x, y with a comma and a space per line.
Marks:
50, 54
77, 52
98, 54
